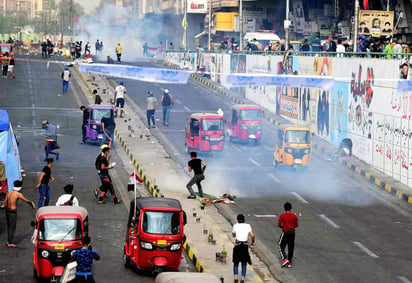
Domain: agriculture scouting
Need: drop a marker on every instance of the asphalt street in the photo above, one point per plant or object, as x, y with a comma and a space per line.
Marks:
350, 231
35, 95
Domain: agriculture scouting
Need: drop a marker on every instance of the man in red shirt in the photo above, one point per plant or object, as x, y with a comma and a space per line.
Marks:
288, 221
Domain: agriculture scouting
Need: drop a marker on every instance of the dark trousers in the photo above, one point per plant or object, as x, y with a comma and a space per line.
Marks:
150, 117
11, 217
119, 57
5, 69
105, 187
196, 180
287, 238
84, 133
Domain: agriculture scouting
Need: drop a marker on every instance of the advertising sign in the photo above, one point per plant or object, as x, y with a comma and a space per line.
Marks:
197, 6
375, 23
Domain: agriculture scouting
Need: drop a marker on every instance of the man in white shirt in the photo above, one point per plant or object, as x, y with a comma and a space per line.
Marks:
241, 232
119, 94
67, 198
340, 48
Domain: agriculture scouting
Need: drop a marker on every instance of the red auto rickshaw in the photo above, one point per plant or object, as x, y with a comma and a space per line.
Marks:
205, 132
245, 123
59, 231
155, 234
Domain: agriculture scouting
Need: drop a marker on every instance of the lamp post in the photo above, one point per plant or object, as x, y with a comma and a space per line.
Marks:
355, 27
210, 25
241, 24
286, 25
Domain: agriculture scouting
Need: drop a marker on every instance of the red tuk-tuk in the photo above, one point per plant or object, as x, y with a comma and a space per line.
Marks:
6, 48
205, 132
245, 123
59, 231
155, 234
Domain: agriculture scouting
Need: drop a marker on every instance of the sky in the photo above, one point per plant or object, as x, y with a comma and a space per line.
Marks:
88, 5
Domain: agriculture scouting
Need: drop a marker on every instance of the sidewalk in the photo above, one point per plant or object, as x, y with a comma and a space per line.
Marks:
163, 177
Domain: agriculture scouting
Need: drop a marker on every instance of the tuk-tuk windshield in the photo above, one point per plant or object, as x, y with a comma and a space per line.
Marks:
296, 136
60, 229
250, 115
212, 125
98, 114
6, 48
160, 222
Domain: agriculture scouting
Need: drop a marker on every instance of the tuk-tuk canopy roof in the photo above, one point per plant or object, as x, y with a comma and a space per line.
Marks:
98, 106
294, 127
61, 210
253, 106
143, 202
186, 277
4, 120
199, 115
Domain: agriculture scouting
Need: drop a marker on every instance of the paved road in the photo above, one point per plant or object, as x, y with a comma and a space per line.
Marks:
350, 230
35, 96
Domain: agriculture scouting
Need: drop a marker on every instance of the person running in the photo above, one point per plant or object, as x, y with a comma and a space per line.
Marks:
241, 232
151, 105
103, 165
84, 258
10, 203
167, 103
108, 125
119, 93
43, 184
50, 132
65, 79
12, 63
67, 198
119, 49
198, 166
288, 222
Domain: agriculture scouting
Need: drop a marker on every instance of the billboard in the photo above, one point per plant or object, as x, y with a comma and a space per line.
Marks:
375, 23
197, 6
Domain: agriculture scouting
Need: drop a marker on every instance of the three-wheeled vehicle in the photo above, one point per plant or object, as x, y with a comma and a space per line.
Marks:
59, 231
204, 132
94, 132
155, 234
245, 123
293, 146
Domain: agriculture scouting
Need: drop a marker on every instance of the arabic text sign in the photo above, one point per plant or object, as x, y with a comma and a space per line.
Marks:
375, 23
137, 73
197, 6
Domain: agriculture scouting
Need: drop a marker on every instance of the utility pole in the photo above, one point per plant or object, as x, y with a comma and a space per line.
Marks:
355, 26
71, 20
241, 24
209, 47
286, 25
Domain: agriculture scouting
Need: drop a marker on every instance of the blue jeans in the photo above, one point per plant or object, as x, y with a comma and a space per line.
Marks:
236, 269
44, 192
111, 134
65, 86
166, 111
48, 149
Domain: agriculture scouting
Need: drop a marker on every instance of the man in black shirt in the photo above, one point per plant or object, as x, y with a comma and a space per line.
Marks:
108, 126
43, 184
84, 123
198, 166
102, 162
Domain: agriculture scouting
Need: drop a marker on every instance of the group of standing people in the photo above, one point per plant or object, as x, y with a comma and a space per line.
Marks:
152, 104
47, 48
8, 61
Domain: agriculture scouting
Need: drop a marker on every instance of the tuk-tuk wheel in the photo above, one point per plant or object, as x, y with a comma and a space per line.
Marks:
126, 260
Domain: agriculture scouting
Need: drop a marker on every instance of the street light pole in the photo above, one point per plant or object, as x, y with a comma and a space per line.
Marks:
210, 25
286, 26
241, 24
355, 27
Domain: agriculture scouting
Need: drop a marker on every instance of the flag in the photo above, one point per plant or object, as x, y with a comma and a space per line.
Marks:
184, 22
136, 178
365, 5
